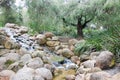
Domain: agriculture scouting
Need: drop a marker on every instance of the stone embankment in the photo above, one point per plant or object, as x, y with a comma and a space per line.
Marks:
46, 57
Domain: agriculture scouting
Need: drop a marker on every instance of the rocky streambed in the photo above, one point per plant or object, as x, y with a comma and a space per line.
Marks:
47, 57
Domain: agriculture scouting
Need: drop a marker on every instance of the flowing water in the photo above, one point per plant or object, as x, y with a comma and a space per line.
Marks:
25, 42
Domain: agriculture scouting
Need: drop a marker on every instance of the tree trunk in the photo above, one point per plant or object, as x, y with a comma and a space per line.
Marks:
80, 31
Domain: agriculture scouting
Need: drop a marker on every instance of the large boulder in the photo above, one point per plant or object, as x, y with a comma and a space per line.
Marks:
35, 63
12, 56
2, 62
23, 29
6, 75
100, 76
65, 52
61, 74
116, 76
72, 41
10, 44
89, 64
70, 77
75, 59
45, 73
94, 55
49, 34
41, 39
52, 43
80, 77
83, 70
105, 60
4, 51
83, 76
27, 74
23, 51
25, 58
38, 53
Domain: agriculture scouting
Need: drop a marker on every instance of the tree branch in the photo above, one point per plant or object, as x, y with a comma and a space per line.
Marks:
86, 21
67, 23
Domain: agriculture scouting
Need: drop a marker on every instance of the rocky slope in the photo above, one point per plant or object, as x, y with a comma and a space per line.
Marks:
46, 57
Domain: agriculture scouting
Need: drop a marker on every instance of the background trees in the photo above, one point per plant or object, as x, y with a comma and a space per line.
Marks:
8, 12
42, 14
69, 17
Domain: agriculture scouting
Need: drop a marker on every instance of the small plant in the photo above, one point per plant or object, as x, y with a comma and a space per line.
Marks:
9, 62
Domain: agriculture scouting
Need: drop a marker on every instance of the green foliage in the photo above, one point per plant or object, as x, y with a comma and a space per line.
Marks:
112, 40
8, 12
41, 15
108, 39
87, 46
9, 62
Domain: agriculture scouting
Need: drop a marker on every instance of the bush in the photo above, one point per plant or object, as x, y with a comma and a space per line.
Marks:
108, 39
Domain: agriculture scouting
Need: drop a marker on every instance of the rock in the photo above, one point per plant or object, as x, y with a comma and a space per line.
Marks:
61, 74
10, 25
100, 76
6, 75
2, 62
4, 78
41, 39
72, 41
58, 47
80, 77
82, 70
52, 43
49, 35
70, 77
55, 38
3, 39
38, 53
59, 52
105, 60
35, 63
75, 59
84, 57
23, 51
45, 73
116, 76
27, 74
72, 48
89, 63
83, 76
64, 45
12, 56
66, 53
24, 74
25, 58
38, 77
93, 55
4, 51
50, 67
9, 44
56, 58
23, 29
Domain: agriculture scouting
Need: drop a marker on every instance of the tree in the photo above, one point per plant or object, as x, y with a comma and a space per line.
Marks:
80, 13
41, 14
7, 10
